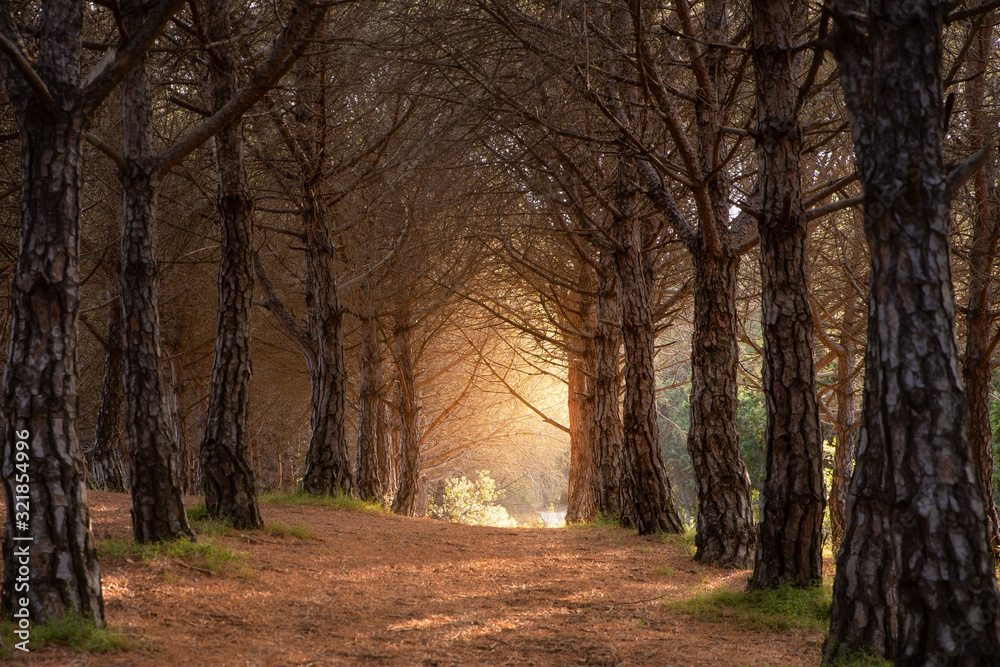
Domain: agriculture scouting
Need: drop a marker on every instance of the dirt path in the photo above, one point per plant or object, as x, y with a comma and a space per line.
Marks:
376, 589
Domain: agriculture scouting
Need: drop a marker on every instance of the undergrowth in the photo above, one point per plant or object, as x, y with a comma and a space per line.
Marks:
198, 516
204, 555
861, 660
282, 529
784, 608
74, 631
339, 501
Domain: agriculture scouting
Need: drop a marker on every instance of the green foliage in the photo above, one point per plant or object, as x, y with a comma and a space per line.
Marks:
601, 521
752, 418
861, 660
339, 501
472, 502
74, 631
282, 529
203, 555
784, 608
683, 540
203, 525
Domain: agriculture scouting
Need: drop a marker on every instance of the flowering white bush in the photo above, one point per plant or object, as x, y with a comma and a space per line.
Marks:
472, 502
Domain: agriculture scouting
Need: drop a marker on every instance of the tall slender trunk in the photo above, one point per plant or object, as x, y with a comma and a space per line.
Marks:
369, 484
726, 532
108, 456
384, 443
790, 542
227, 476
844, 427
43, 470
606, 436
914, 446
976, 362
157, 505
581, 504
646, 494
328, 464
408, 496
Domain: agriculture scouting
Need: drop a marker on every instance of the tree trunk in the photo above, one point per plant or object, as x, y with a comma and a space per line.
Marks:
44, 478
369, 484
227, 476
157, 505
976, 362
408, 495
915, 418
726, 532
844, 428
581, 505
328, 463
606, 436
107, 459
790, 542
387, 478
646, 495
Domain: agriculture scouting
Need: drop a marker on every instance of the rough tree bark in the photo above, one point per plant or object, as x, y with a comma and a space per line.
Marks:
41, 456
844, 427
979, 318
646, 495
726, 532
227, 476
328, 464
408, 496
40, 399
581, 504
790, 541
107, 458
914, 448
606, 434
157, 504
369, 470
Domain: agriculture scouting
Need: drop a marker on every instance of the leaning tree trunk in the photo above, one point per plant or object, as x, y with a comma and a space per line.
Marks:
790, 541
977, 361
408, 495
916, 415
157, 504
107, 459
606, 435
47, 525
227, 476
726, 532
844, 427
646, 495
328, 463
369, 485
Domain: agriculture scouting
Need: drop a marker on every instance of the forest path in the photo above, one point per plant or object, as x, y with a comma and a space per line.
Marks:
376, 589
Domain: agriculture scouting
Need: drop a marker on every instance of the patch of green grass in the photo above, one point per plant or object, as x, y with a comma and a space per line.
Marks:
203, 525
779, 609
861, 660
665, 571
74, 631
202, 555
339, 501
683, 540
282, 529
602, 521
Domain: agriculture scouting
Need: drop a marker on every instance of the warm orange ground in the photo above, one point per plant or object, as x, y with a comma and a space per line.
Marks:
385, 590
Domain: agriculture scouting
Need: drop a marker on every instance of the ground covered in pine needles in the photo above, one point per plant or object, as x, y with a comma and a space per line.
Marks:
324, 585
